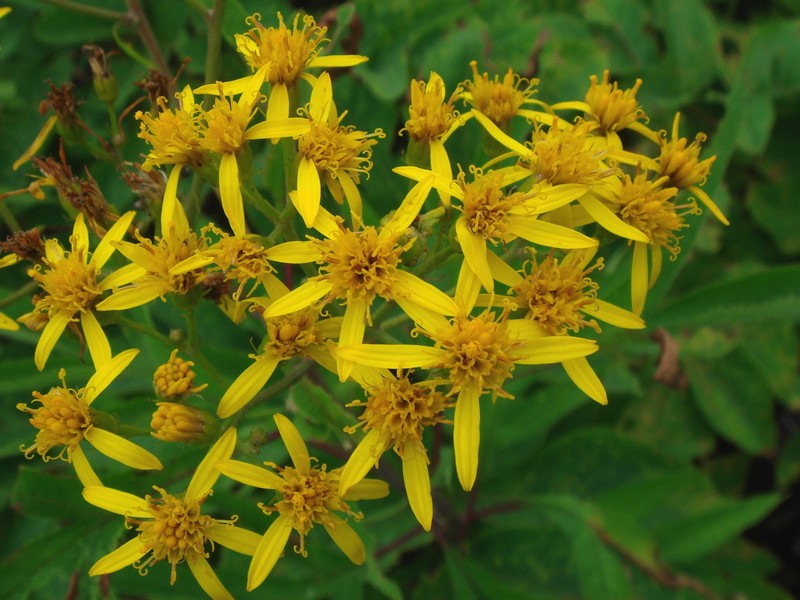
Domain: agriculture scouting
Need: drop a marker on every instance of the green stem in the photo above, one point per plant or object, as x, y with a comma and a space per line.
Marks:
25, 290
214, 19
93, 11
287, 381
9, 218
148, 38
195, 350
140, 328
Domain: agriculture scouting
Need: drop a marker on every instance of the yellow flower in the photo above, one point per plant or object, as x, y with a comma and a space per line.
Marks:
681, 163
432, 120
490, 215
306, 495
242, 260
174, 422
560, 297
499, 100
224, 131
8, 323
395, 415
299, 333
286, 54
479, 354
172, 133
355, 267
171, 264
69, 280
175, 378
331, 153
173, 527
66, 418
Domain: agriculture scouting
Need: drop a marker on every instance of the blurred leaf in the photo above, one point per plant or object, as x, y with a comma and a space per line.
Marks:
47, 495
733, 402
773, 205
755, 130
787, 467
772, 351
771, 294
696, 536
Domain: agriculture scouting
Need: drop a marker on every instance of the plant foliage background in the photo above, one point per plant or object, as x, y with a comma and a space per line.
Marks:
684, 486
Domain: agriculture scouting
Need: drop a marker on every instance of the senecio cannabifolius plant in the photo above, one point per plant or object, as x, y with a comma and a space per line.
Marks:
521, 230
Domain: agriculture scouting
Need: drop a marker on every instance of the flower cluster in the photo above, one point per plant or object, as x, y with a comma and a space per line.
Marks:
478, 273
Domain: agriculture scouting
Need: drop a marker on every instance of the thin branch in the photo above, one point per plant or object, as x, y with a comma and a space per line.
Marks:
86, 9
148, 38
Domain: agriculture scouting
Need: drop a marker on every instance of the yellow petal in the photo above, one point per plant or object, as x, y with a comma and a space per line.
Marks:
237, 539
418, 484
708, 203
206, 577
367, 489
136, 295
474, 248
408, 209
551, 198
107, 373
117, 232
230, 193
394, 356
656, 258
556, 348
362, 459
336, 60
48, 338
36, 144
548, 234
326, 224
80, 236
294, 443
117, 501
639, 277
467, 436
206, 474
525, 329
247, 385
299, 298
347, 539
614, 315
194, 262
308, 191
352, 333
353, 199
423, 294
321, 99
609, 221
122, 276
281, 128
501, 136
444, 184
122, 450
582, 374
251, 475
429, 320
468, 287
83, 469
96, 339
229, 88
295, 253
278, 102
170, 201
440, 164
268, 552
125, 555
501, 271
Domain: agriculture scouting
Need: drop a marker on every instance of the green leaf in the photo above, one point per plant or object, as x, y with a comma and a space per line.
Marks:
733, 402
48, 495
700, 534
787, 468
772, 351
768, 295
773, 205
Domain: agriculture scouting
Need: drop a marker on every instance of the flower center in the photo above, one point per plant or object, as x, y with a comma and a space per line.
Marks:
651, 210
168, 252
480, 352
70, 285
612, 108
360, 263
62, 420
224, 124
290, 334
172, 135
681, 162
554, 294
240, 259
286, 51
333, 147
175, 530
402, 409
430, 116
308, 498
175, 377
567, 155
499, 100
485, 206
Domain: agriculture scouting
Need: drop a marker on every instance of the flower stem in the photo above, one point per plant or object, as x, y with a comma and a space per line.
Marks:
86, 9
148, 38
214, 18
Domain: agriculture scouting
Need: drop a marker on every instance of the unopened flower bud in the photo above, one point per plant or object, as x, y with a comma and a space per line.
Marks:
182, 423
175, 378
105, 84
